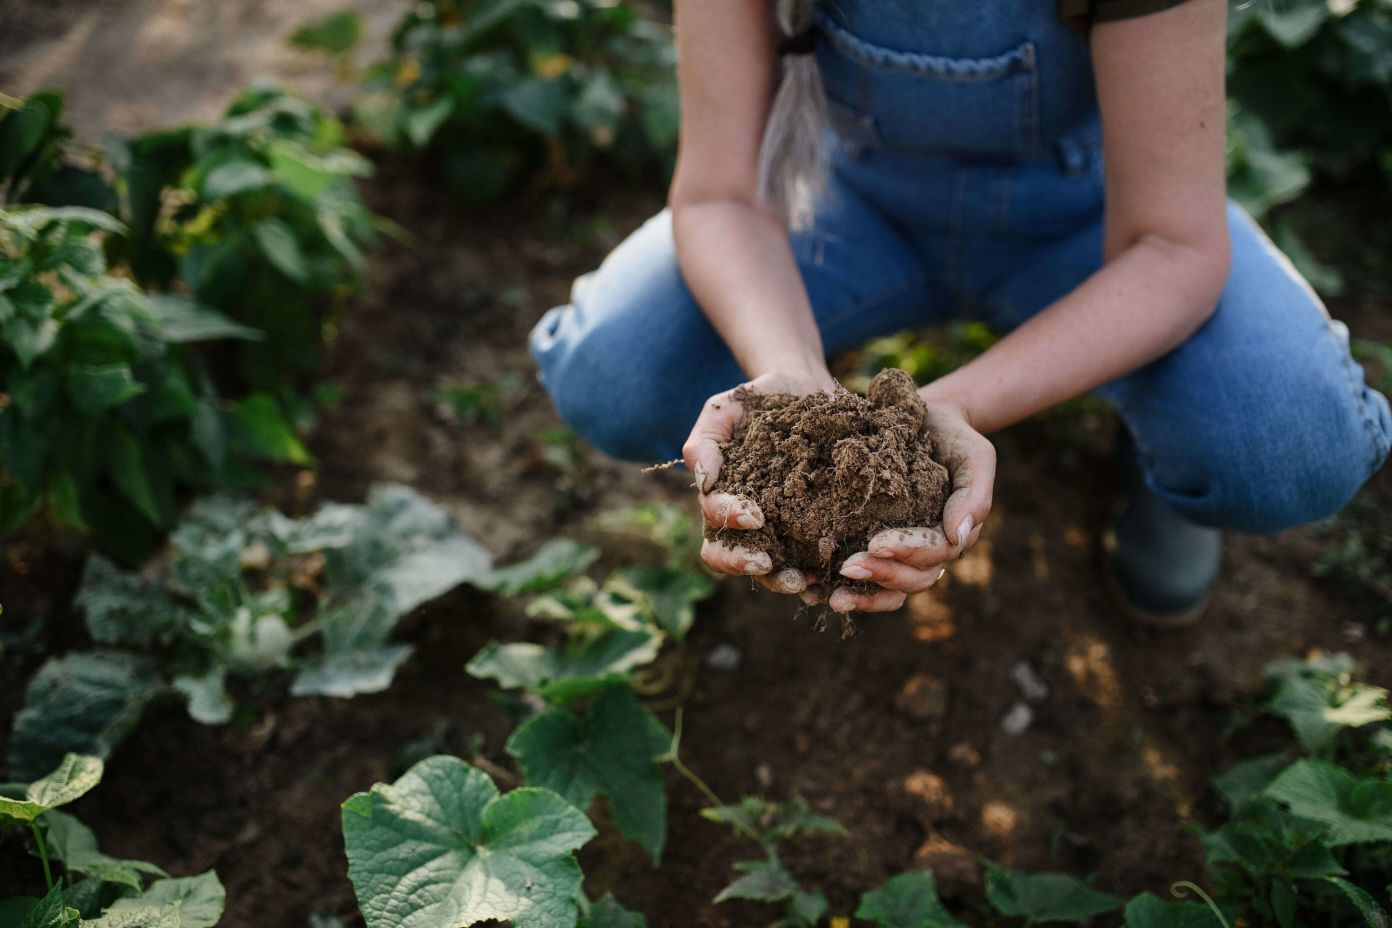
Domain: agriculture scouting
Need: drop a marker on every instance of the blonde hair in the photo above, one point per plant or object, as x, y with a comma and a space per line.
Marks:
793, 157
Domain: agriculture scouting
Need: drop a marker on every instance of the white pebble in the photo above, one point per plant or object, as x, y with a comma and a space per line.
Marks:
1017, 719
1031, 686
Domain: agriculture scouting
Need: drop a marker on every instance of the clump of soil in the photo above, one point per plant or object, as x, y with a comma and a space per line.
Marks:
829, 471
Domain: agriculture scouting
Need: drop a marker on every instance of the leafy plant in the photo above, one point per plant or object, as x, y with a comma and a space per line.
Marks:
35, 157
500, 89
104, 414
93, 888
241, 595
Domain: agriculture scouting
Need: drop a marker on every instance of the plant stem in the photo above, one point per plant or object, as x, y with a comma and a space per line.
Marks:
43, 854
1182, 889
695, 780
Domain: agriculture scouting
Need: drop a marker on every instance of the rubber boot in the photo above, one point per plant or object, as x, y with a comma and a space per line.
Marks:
1160, 567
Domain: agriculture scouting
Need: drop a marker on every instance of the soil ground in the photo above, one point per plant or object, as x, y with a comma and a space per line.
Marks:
896, 732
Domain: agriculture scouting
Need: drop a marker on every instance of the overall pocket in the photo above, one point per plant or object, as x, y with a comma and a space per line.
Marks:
918, 102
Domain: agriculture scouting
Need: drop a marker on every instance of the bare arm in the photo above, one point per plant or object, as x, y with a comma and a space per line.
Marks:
733, 252
1160, 86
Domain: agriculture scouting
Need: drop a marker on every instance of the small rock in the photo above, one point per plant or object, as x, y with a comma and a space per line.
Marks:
1031, 686
724, 657
1018, 719
954, 868
923, 697
999, 819
1354, 632
763, 774
933, 800
964, 755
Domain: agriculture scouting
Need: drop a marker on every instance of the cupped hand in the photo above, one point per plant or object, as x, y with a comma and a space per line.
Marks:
719, 418
910, 560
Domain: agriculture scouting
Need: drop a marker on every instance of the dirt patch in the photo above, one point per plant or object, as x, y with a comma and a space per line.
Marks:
831, 470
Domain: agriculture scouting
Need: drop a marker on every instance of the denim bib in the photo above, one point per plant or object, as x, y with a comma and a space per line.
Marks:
999, 81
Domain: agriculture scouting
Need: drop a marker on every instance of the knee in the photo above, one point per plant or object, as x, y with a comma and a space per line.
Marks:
1292, 465
600, 389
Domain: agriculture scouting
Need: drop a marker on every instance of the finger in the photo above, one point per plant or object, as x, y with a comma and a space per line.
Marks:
973, 470
787, 580
918, 547
890, 574
725, 510
736, 560
843, 600
716, 423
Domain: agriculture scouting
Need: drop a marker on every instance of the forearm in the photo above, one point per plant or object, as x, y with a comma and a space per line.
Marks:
1136, 308
736, 260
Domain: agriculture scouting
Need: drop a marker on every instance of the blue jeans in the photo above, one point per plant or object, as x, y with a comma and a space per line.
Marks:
960, 191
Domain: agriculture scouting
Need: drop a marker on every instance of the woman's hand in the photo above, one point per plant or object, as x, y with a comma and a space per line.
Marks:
719, 418
909, 560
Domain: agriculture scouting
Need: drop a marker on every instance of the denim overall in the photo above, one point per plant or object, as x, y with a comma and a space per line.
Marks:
967, 183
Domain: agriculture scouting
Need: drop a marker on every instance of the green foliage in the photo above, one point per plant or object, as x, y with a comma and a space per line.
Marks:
1358, 555
1320, 699
909, 900
498, 89
96, 889
440, 846
34, 167
104, 414
335, 34
235, 599
258, 216
1045, 897
552, 563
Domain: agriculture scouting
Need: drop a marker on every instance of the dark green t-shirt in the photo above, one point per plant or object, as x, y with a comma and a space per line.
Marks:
1080, 14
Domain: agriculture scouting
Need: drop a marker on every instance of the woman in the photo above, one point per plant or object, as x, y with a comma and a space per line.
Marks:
962, 177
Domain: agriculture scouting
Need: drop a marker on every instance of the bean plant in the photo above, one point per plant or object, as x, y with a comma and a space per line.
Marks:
92, 888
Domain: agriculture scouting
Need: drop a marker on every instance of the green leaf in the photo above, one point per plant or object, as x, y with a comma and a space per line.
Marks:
1364, 902
1319, 699
128, 470
608, 913
97, 387
74, 844
232, 178
669, 595
1045, 897
263, 432
208, 700
762, 881
1354, 809
183, 320
308, 175
538, 103
548, 567
420, 123
772, 822
51, 912
560, 676
441, 847
139, 917
74, 777
335, 34
1150, 911
123, 607
909, 900
280, 246
612, 749
1294, 25
1248, 779
86, 702
29, 338
349, 673
197, 901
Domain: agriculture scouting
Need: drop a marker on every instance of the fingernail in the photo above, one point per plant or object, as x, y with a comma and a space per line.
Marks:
941, 572
791, 581
841, 602
746, 520
755, 565
855, 572
964, 530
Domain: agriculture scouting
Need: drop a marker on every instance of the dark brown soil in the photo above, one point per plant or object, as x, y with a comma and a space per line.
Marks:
829, 471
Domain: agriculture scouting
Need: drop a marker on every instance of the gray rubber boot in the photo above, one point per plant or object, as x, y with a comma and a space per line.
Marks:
1160, 566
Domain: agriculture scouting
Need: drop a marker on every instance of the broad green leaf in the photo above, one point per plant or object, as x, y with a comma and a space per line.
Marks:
280, 246
74, 844
807, 907
51, 912
1248, 779
85, 701
613, 749
130, 472
1319, 699
308, 175
75, 776
1150, 911
538, 103
97, 387
208, 699
1355, 809
232, 178
28, 338
761, 881
335, 34
440, 847
909, 900
263, 432
197, 901
420, 123
668, 594
1292, 25
552, 563
1364, 902
1045, 897
563, 675
151, 916
608, 913
34, 218
350, 673
180, 320
431, 570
